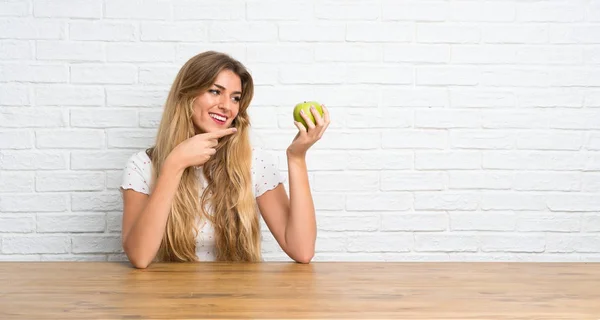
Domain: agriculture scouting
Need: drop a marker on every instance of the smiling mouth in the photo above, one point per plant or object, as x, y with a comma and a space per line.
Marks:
218, 118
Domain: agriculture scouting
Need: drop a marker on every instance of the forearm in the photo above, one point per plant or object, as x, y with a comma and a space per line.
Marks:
301, 227
145, 236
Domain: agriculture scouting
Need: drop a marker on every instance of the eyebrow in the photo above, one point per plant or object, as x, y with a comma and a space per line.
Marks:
223, 88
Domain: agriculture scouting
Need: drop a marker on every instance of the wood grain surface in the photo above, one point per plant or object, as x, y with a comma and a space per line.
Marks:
326, 290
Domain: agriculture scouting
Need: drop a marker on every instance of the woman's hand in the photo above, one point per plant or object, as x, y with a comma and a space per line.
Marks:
196, 151
307, 137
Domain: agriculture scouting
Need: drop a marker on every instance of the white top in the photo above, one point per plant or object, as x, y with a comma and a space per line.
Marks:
265, 176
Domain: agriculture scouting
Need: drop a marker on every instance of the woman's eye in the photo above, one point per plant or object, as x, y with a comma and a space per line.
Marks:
237, 99
215, 92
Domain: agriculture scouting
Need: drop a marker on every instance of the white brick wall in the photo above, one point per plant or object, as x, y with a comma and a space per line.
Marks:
463, 129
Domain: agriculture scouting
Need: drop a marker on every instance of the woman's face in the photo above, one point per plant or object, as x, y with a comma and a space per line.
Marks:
216, 108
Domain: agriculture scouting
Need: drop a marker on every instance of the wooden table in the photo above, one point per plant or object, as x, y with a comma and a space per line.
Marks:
106, 290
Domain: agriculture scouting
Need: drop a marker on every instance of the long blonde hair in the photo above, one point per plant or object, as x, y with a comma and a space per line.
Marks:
228, 172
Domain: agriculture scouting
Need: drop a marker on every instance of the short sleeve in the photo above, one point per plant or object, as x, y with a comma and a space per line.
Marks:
137, 173
265, 170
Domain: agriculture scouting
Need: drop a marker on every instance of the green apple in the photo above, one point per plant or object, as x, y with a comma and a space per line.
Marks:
306, 107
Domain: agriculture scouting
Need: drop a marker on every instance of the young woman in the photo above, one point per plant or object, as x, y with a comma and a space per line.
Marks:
196, 195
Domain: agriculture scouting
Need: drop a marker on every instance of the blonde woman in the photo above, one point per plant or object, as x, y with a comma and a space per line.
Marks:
197, 194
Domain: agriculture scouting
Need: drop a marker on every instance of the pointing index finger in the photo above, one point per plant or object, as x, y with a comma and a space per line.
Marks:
221, 133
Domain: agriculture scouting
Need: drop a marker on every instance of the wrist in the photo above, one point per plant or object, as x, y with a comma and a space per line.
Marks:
295, 158
173, 164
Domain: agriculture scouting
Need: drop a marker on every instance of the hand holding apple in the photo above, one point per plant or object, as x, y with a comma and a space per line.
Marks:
311, 119
305, 106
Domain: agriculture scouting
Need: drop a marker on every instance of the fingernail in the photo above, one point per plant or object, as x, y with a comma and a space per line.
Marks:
312, 107
302, 111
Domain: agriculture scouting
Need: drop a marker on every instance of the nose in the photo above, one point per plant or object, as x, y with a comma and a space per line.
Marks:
224, 103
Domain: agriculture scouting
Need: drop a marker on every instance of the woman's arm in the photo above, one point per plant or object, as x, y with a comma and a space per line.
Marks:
145, 217
292, 221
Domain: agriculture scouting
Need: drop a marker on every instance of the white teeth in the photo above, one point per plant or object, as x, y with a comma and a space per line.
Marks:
218, 117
